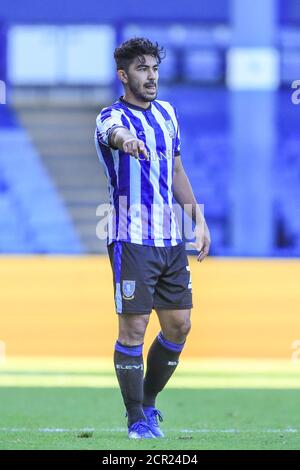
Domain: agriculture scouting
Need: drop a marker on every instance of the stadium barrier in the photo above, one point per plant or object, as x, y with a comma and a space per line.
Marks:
63, 306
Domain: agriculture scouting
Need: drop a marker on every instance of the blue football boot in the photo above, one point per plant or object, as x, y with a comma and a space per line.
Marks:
153, 415
140, 430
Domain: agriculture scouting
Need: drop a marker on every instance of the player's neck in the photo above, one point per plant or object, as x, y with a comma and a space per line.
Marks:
130, 98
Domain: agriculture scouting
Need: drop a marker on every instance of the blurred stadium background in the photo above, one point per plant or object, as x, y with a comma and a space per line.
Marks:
229, 70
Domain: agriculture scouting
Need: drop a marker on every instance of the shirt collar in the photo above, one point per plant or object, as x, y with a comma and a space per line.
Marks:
134, 106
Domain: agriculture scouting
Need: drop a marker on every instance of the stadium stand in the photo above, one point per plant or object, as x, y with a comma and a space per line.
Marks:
33, 218
64, 137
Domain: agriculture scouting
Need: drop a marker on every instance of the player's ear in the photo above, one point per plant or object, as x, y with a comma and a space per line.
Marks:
123, 76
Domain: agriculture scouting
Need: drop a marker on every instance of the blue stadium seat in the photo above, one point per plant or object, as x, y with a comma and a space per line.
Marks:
33, 218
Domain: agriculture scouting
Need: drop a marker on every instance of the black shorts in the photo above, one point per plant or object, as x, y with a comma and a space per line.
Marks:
147, 277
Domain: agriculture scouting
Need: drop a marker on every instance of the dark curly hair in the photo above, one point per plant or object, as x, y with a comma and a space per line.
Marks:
137, 47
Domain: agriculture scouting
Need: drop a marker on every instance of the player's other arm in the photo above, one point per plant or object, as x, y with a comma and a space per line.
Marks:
124, 140
184, 195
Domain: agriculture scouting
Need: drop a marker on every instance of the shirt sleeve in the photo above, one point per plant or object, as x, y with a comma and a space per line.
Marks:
107, 121
177, 136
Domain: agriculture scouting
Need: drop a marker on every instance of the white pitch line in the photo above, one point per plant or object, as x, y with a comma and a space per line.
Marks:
186, 431
236, 431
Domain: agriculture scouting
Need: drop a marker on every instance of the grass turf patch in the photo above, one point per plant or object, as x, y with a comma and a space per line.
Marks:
91, 418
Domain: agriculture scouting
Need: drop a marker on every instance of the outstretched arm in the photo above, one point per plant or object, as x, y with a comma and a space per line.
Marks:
184, 195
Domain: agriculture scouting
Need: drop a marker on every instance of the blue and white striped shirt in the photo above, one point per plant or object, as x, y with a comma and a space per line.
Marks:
140, 190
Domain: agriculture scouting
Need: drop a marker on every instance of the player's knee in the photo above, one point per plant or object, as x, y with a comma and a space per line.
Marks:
136, 335
181, 329
133, 332
184, 328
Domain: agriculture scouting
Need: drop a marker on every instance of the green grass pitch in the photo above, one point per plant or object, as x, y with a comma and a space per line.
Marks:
236, 416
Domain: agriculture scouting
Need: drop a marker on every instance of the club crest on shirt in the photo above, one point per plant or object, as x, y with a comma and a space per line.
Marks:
128, 288
170, 128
